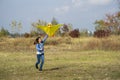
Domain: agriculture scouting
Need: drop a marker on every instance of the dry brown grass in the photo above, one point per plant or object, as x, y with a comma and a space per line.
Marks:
109, 43
62, 43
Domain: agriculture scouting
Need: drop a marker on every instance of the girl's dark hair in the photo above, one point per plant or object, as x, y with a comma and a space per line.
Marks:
36, 40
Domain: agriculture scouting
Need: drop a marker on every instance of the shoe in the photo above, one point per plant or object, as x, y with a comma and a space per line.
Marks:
36, 66
40, 69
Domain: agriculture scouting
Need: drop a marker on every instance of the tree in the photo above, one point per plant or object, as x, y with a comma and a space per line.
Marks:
100, 25
19, 26
54, 21
13, 26
110, 23
16, 26
65, 29
4, 32
84, 32
35, 31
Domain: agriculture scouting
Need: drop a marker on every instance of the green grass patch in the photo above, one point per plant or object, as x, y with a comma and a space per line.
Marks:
61, 65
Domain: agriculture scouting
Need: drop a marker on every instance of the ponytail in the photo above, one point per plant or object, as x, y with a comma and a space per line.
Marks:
36, 40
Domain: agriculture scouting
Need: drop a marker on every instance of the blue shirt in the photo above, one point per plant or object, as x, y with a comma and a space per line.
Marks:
40, 46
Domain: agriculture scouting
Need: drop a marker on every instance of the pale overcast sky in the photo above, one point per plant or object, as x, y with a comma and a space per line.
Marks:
80, 13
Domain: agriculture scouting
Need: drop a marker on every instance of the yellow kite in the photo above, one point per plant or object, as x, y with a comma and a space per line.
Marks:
49, 29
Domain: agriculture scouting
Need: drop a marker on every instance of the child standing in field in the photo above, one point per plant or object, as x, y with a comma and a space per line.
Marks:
40, 51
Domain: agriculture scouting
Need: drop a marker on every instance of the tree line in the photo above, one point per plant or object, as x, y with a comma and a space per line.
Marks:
107, 26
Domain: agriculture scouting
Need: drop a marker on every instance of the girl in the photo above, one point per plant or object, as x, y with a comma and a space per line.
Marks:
40, 51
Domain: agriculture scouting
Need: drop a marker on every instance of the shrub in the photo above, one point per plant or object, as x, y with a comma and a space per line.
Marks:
4, 32
75, 33
26, 35
101, 33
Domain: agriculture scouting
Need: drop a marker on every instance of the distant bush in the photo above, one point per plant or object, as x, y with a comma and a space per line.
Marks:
26, 35
75, 33
101, 33
4, 32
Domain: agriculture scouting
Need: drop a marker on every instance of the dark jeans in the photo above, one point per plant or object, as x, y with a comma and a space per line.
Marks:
40, 59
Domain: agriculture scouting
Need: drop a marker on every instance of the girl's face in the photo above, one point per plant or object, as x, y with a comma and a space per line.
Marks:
39, 40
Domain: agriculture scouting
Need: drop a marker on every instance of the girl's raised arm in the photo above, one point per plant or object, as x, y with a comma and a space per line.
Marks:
44, 39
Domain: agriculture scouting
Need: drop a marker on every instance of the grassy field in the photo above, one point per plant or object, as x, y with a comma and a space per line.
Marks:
65, 65
70, 60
